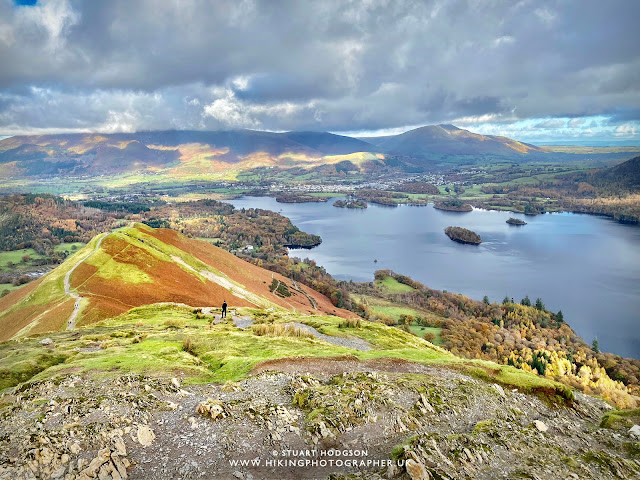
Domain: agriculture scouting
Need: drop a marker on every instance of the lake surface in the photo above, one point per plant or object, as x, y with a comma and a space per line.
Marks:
586, 266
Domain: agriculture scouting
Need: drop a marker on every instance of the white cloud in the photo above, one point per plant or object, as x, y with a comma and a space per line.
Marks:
545, 15
626, 130
378, 65
56, 17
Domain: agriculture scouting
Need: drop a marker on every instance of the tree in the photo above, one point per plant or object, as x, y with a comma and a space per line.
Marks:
595, 345
525, 301
485, 300
26, 258
406, 319
505, 300
429, 336
559, 317
539, 304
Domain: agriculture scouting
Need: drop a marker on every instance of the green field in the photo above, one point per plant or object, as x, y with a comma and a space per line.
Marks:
391, 285
8, 286
420, 331
15, 256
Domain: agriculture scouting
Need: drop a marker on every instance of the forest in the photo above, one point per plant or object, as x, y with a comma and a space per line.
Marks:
523, 334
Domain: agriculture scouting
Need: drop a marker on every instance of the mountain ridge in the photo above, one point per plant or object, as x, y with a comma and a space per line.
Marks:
189, 152
449, 139
138, 265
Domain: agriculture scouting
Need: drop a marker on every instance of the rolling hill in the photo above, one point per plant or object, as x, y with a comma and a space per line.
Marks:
624, 176
450, 140
139, 265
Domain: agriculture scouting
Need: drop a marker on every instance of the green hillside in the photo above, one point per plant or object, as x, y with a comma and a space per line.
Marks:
158, 340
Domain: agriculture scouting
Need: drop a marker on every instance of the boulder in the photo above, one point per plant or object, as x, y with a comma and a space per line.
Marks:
540, 426
145, 435
417, 470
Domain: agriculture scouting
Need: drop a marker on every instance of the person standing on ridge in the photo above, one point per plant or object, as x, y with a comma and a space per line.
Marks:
224, 309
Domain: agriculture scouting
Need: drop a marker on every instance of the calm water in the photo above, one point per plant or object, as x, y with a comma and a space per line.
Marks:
587, 266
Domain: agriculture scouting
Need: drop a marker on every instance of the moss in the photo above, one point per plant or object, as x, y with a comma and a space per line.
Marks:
483, 426
397, 453
632, 449
22, 368
617, 466
550, 391
616, 419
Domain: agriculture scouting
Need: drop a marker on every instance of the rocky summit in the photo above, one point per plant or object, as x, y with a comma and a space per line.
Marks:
417, 421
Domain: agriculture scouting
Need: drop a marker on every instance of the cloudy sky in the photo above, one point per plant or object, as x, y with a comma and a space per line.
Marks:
538, 71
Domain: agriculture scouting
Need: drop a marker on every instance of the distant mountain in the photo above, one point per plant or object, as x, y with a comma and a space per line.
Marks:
625, 176
188, 152
194, 153
450, 140
139, 265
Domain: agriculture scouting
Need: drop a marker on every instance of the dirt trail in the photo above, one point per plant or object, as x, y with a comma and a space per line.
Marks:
233, 288
311, 300
242, 322
355, 343
71, 322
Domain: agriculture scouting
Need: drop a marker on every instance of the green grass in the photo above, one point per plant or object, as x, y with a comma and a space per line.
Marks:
15, 256
393, 310
420, 331
620, 418
167, 340
8, 286
68, 247
108, 267
391, 285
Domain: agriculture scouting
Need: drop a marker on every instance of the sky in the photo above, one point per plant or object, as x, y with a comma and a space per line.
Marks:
565, 71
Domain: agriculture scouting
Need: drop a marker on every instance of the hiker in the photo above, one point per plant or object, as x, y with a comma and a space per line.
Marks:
224, 309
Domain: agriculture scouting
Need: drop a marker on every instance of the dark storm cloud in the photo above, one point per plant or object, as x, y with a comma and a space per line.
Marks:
330, 65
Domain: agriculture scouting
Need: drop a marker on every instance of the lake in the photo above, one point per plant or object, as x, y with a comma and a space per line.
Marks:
586, 266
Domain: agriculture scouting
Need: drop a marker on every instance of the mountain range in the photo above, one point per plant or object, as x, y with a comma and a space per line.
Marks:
184, 153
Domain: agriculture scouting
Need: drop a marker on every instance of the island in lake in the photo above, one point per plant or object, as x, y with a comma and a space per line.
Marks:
453, 205
350, 204
516, 221
299, 198
462, 235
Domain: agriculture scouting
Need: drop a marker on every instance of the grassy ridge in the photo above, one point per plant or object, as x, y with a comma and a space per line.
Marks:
169, 340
